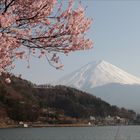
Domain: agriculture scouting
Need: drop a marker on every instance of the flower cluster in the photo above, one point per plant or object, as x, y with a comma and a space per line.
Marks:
44, 27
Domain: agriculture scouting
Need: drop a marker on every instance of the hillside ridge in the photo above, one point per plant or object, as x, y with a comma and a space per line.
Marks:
20, 101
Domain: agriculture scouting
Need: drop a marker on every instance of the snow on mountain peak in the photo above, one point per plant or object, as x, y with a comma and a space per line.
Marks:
98, 73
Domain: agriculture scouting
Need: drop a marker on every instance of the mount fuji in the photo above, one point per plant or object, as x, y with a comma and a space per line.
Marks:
108, 82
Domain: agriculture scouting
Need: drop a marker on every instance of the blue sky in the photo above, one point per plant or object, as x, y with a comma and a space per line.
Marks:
116, 35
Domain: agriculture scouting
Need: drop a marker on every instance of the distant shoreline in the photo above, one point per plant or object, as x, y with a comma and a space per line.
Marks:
47, 125
57, 125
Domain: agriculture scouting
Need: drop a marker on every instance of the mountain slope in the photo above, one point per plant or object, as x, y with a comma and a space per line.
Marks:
97, 74
108, 82
121, 95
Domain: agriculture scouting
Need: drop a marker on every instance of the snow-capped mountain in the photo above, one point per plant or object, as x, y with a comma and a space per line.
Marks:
108, 82
97, 74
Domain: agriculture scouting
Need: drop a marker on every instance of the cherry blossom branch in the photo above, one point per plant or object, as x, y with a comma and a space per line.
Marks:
32, 28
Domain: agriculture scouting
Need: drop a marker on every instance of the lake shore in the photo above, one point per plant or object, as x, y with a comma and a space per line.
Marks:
46, 125
56, 125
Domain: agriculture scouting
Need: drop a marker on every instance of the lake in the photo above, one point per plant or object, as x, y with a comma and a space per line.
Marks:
72, 133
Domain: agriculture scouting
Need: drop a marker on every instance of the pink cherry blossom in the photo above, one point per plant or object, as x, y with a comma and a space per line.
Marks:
42, 28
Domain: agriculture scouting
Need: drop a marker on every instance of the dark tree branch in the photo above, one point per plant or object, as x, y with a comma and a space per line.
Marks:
31, 18
7, 5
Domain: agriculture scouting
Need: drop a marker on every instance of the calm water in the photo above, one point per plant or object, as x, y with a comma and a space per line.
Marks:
72, 133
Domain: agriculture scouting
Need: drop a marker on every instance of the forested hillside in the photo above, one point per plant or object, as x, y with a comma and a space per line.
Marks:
23, 101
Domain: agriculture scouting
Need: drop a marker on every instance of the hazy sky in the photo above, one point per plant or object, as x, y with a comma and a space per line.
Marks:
116, 35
